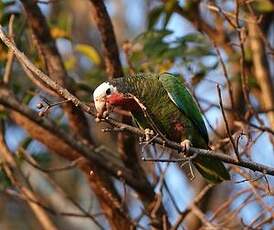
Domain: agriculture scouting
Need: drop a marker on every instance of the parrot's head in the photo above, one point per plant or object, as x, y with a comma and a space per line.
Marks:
106, 96
102, 96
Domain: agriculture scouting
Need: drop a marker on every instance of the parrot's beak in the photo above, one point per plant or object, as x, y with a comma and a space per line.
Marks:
105, 104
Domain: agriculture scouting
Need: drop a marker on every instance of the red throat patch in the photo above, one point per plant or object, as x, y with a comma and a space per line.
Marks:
123, 101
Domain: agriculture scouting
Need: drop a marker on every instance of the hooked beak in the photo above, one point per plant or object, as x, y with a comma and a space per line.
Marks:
105, 105
101, 106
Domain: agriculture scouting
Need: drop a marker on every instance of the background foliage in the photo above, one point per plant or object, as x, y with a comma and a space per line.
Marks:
225, 42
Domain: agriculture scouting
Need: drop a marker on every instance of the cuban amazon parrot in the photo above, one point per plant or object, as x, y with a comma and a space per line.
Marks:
170, 106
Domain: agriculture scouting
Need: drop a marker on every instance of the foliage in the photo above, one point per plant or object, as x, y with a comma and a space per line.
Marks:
127, 191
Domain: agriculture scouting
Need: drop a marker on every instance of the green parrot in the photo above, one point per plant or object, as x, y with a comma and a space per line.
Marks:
170, 106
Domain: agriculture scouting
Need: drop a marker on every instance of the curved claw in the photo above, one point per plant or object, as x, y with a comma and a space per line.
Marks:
148, 134
105, 114
186, 144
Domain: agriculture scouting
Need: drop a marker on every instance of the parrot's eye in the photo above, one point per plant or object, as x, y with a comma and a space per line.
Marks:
108, 91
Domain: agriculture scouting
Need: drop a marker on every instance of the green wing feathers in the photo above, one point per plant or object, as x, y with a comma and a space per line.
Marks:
180, 95
212, 170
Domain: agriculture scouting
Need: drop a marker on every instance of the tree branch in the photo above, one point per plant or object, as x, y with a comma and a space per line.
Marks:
261, 70
19, 181
173, 145
111, 51
54, 64
67, 95
126, 142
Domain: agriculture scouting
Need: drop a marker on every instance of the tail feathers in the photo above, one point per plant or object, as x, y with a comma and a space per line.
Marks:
212, 170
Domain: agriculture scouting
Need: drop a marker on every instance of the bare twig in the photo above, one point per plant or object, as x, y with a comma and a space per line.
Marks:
226, 77
10, 58
197, 199
226, 124
48, 209
48, 106
17, 178
227, 15
72, 164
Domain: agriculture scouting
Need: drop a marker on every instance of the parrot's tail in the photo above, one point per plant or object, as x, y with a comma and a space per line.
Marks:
212, 170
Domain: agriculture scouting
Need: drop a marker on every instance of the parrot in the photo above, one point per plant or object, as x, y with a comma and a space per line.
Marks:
170, 106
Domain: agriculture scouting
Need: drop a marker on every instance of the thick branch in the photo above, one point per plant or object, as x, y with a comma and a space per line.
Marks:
54, 64
111, 51
261, 70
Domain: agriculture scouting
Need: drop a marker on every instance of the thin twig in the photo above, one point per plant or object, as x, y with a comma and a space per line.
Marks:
18, 179
230, 92
226, 124
147, 115
168, 160
48, 209
196, 200
72, 164
48, 106
8, 67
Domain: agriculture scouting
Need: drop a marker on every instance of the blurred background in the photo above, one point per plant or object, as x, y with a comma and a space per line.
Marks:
225, 42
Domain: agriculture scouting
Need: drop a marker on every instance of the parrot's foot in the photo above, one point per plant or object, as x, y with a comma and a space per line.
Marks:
101, 116
187, 166
148, 138
186, 144
148, 135
105, 114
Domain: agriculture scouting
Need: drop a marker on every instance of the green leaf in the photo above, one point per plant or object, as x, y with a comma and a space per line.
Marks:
192, 37
25, 142
4, 180
154, 16
3, 114
151, 36
153, 43
27, 98
263, 6
70, 63
90, 52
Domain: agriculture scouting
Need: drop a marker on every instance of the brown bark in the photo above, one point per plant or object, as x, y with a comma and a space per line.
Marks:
55, 142
54, 64
126, 142
77, 120
104, 25
261, 70
17, 178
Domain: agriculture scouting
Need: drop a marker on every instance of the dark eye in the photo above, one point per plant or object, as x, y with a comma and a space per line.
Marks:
108, 91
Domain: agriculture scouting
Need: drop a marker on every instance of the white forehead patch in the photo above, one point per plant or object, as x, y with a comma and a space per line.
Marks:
100, 91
